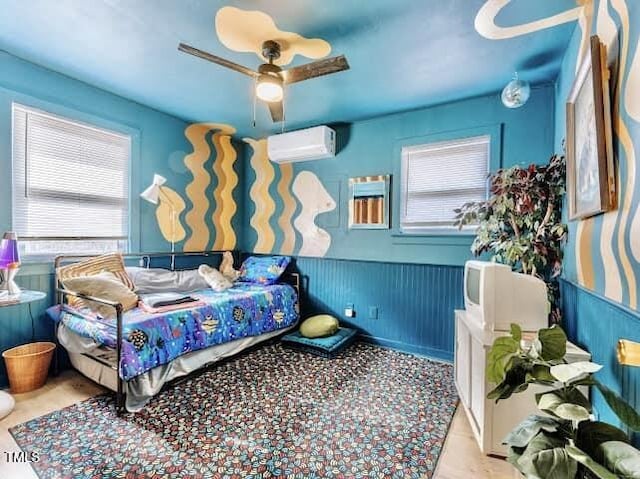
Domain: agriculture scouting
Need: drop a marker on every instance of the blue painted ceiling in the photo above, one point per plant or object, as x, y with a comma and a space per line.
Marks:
404, 54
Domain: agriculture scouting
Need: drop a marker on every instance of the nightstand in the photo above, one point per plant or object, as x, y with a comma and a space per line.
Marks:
7, 402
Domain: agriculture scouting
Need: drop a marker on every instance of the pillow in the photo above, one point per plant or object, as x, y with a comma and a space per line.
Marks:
104, 286
319, 326
112, 263
158, 280
214, 278
263, 269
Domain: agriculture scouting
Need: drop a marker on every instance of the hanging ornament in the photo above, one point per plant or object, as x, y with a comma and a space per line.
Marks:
516, 93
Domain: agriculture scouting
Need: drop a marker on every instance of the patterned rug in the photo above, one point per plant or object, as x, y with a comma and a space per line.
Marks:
273, 412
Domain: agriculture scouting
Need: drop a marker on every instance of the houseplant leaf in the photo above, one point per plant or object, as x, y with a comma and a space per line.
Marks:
546, 458
540, 374
623, 410
554, 403
554, 343
591, 434
516, 332
621, 458
597, 469
524, 432
566, 373
503, 349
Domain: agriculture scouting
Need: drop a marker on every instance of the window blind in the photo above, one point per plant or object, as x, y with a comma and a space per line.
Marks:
439, 177
70, 184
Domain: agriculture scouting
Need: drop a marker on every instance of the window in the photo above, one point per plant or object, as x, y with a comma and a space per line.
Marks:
439, 177
70, 185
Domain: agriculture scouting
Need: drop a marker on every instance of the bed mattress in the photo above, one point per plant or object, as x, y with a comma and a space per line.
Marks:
152, 340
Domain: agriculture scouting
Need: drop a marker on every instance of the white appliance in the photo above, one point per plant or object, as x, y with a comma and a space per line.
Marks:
303, 145
489, 421
495, 297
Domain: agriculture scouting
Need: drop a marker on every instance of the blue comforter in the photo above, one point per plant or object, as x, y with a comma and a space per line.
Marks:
150, 340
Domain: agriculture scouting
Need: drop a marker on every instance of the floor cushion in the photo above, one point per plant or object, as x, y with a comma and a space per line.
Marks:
319, 326
327, 347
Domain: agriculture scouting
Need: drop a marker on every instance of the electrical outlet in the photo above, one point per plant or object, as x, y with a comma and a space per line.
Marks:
373, 312
349, 312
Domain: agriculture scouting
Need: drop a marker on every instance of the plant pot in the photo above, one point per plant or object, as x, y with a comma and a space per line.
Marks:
28, 366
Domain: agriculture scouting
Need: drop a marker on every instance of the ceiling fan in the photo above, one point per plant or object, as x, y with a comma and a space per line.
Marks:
270, 78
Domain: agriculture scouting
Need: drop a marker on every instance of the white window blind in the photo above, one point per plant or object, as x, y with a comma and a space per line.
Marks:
439, 177
70, 185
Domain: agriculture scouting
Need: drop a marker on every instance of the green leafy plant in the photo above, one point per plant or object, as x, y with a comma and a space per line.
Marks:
557, 445
521, 222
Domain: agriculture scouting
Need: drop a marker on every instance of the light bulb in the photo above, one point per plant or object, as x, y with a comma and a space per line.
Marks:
516, 93
269, 89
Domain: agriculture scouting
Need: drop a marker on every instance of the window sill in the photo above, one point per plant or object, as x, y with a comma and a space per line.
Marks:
435, 237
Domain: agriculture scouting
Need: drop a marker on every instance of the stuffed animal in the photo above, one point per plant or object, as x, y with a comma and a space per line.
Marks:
214, 278
226, 267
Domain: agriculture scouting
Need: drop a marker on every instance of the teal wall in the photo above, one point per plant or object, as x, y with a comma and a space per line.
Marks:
602, 265
372, 147
159, 146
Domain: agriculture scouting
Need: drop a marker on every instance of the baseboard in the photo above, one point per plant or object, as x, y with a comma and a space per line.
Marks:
429, 353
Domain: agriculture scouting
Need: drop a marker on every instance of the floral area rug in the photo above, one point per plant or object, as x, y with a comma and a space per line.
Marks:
273, 412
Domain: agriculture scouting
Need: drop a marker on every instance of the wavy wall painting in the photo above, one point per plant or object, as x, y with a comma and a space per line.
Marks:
246, 31
170, 206
314, 200
198, 163
485, 21
264, 205
288, 209
277, 193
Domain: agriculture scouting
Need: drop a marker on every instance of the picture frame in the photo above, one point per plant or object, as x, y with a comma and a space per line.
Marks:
369, 202
591, 179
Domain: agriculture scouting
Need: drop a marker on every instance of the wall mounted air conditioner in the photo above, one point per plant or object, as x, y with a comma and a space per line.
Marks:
302, 145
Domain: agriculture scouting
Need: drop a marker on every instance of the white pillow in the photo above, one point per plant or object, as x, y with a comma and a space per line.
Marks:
157, 280
214, 278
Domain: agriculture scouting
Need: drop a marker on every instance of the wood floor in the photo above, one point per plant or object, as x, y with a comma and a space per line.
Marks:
461, 458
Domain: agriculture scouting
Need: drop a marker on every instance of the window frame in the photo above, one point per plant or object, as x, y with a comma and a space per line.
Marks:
494, 132
90, 120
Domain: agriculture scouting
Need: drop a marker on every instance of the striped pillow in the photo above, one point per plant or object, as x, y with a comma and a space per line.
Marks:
112, 263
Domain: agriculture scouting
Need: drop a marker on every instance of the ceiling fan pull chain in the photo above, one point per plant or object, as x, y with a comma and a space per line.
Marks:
284, 114
255, 82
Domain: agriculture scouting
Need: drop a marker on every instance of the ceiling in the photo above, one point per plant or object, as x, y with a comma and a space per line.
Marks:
404, 54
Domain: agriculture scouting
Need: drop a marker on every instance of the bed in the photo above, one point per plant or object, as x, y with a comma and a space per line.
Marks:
135, 353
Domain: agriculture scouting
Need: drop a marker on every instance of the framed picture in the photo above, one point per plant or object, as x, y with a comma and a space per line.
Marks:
590, 167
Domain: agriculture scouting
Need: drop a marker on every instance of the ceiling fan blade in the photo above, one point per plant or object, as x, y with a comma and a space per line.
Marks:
215, 59
277, 111
326, 66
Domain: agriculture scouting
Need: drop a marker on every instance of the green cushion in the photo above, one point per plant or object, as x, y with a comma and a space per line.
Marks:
319, 326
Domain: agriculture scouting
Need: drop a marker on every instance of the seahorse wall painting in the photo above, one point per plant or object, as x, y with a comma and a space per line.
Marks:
606, 248
274, 218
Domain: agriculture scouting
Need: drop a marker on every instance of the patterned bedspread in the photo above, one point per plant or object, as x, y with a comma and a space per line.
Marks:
150, 340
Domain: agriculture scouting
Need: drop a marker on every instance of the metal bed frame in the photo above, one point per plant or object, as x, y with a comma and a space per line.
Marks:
62, 294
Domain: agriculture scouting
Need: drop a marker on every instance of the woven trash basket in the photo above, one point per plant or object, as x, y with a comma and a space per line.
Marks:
28, 366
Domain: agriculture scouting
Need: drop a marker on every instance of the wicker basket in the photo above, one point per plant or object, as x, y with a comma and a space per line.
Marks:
28, 366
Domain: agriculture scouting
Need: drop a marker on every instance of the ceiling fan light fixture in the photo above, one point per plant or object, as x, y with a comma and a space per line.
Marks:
269, 88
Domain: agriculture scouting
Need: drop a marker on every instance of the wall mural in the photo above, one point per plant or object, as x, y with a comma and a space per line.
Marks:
485, 22
306, 193
200, 135
315, 200
606, 247
245, 31
170, 206
264, 205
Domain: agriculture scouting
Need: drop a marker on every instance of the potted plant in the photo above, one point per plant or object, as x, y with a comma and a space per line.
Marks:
565, 443
521, 223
